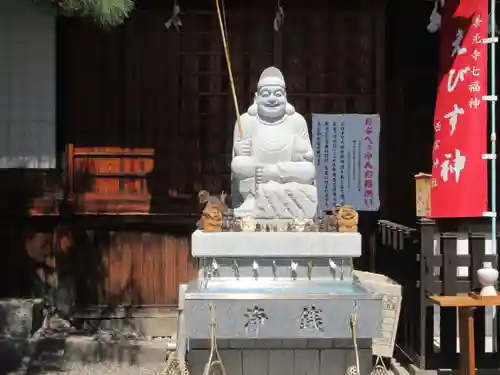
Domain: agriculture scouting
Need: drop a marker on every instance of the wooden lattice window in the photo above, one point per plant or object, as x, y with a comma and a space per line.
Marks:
328, 57
207, 115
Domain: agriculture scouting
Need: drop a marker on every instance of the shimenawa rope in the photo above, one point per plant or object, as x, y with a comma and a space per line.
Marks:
214, 359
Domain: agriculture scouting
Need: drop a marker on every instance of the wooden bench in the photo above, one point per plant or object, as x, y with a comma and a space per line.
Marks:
466, 306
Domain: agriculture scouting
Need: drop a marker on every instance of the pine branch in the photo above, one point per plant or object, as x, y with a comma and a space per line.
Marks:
107, 13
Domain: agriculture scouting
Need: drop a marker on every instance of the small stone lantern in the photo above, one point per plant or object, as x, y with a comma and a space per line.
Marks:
423, 194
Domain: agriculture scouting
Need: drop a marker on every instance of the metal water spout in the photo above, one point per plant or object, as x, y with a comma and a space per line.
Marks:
333, 267
293, 266
207, 272
215, 268
236, 269
275, 270
255, 267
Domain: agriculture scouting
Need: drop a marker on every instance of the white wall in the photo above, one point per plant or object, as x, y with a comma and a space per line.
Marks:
27, 85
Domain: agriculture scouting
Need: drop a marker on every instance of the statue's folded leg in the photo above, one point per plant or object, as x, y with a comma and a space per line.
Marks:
246, 189
247, 208
304, 198
293, 208
276, 198
278, 204
301, 172
247, 186
243, 166
285, 201
263, 202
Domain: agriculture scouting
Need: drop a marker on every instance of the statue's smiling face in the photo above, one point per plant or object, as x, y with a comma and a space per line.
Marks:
271, 101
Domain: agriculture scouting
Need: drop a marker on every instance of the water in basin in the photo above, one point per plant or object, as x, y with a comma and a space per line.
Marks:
258, 286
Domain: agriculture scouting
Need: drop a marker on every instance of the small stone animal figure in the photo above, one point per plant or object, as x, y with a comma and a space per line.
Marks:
347, 219
322, 224
237, 225
211, 218
332, 220
204, 197
228, 221
310, 227
214, 204
299, 225
248, 224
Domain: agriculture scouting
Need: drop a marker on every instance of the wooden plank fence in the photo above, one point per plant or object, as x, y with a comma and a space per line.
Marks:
96, 262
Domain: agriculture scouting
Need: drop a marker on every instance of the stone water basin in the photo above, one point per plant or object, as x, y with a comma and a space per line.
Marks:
271, 288
281, 309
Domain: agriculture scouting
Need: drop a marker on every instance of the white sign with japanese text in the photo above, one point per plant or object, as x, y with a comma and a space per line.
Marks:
347, 160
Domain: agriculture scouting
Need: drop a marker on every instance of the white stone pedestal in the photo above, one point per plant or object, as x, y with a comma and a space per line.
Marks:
276, 244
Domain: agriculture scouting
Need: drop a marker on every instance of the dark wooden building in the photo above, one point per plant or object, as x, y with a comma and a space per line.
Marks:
145, 120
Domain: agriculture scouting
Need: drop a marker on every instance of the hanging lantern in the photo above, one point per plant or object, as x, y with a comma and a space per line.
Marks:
423, 194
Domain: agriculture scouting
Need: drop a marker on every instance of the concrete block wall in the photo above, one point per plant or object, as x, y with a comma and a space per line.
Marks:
284, 357
28, 85
20, 318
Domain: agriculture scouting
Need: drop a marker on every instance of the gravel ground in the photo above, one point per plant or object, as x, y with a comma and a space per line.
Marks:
75, 368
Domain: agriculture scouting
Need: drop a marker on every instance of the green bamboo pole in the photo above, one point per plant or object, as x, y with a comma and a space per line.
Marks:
493, 137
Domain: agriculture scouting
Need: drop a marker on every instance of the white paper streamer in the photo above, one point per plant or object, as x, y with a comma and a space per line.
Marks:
175, 20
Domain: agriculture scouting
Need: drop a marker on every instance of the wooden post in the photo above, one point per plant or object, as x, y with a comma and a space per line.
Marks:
466, 333
426, 233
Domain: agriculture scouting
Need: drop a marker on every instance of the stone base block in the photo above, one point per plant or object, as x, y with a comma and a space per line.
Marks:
284, 361
12, 352
19, 318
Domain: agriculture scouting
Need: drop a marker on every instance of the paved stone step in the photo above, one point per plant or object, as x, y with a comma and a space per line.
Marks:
91, 350
149, 321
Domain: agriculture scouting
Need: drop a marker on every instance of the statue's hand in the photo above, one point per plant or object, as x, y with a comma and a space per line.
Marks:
298, 157
266, 173
243, 148
259, 175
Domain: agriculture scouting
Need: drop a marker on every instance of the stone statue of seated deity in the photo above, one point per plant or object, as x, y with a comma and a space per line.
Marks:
273, 169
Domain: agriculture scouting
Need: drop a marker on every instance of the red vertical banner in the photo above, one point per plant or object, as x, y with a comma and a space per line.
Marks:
459, 174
